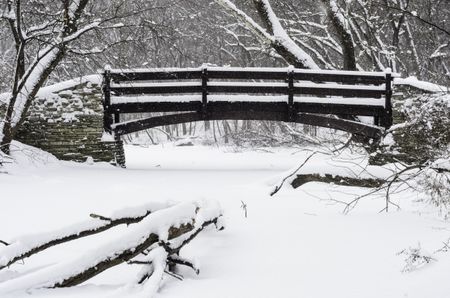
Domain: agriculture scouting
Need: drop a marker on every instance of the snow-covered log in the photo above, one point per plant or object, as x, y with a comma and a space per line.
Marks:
154, 239
27, 246
337, 169
301, 179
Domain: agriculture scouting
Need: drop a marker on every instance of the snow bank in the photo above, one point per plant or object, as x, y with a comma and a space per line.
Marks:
26, 156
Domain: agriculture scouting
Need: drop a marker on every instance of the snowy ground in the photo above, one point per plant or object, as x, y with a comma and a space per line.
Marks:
295, 244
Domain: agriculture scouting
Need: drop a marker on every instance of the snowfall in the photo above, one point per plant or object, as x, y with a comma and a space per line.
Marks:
296, 243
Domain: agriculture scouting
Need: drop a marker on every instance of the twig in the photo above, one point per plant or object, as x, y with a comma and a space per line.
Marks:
170, 250
139, 262
177, 276
244, 207
278, 187
4, 243
93, 215
179, 261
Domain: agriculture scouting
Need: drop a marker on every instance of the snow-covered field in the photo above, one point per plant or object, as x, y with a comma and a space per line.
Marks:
297, 243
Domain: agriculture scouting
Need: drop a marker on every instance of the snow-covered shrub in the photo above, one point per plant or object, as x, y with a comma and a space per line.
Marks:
435, 181
423, 134
421, 138
415, 258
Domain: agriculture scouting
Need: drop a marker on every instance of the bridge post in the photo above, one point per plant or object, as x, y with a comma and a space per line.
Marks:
116, 117
204, 91
386, 120
107, 117
290, 80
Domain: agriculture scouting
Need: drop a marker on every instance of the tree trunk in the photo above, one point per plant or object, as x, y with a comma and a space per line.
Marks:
343, 33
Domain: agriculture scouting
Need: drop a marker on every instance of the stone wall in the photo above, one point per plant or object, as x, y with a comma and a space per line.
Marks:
66, 120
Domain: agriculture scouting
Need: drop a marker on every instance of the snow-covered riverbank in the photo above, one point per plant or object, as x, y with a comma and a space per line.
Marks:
295, 244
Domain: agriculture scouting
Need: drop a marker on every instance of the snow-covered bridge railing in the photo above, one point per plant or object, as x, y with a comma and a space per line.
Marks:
324, 98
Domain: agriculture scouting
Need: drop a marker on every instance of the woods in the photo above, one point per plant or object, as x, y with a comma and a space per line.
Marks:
356, 35
291, 114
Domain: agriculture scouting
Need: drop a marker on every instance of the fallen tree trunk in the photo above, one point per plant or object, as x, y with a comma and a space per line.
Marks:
27, 246
332, 170
121, 257
339, 180
169, 228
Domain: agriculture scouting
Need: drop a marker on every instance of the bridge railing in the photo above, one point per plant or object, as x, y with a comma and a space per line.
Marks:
348, 93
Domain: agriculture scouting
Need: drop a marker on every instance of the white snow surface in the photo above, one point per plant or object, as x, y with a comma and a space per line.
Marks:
46, 91
257, 69
423, 85
297, 243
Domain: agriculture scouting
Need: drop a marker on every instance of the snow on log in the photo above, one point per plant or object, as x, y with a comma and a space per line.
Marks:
301, 179
27, 246
169, 228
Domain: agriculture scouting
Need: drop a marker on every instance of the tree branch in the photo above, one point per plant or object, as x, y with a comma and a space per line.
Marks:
20, 250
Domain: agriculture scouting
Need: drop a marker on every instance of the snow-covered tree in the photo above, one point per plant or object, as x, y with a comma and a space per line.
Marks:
53, 36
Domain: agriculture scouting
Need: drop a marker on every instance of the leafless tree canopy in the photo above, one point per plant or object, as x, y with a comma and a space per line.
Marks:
408, 36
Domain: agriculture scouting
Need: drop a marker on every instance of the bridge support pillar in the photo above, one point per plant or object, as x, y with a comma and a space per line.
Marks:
67, 120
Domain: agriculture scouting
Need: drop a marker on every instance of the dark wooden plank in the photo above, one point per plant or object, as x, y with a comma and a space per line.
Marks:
251, 106
340, 124
276, 74
248, 74
149, 107
204, 90
339, 109
107, 118
387, 120
216, 106
330, 91
249, 89
341, 78
142, 90
157, 75
130, 127
319, 90
248, 115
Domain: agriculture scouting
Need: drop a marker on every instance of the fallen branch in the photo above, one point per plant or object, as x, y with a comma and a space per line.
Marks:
27, 246
187, 231
175, 226
336, 179
176, 260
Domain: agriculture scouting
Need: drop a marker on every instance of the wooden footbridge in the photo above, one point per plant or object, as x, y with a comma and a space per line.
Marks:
332, 99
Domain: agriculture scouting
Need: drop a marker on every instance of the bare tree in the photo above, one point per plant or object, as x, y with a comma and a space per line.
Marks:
54, 36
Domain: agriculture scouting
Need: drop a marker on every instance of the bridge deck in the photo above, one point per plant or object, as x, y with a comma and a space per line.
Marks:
278, 94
